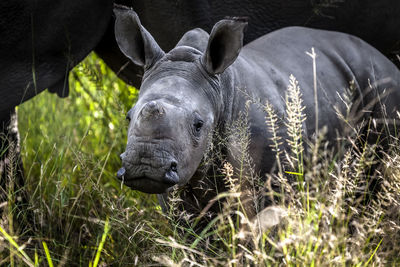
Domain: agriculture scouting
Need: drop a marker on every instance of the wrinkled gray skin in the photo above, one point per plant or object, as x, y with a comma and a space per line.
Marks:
197, 88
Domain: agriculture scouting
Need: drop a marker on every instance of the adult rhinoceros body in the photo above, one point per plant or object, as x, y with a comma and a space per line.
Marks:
376, 22
42, 40
203, 85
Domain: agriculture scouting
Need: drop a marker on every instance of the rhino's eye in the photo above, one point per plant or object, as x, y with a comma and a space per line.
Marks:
198, 124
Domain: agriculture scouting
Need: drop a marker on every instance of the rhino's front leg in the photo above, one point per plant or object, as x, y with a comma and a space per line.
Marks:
13, 199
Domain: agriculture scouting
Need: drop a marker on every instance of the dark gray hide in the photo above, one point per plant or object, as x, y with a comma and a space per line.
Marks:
376, 22
41, 41
190, 92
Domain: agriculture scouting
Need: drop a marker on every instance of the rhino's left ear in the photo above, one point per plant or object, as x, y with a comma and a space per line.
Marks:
134, 40
224, 45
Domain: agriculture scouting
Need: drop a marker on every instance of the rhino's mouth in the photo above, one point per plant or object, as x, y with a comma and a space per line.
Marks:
145, 184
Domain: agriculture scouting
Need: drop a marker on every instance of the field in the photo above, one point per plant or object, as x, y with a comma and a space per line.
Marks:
81, 215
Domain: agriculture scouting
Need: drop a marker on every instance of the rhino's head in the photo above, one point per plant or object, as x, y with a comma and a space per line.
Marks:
180, 101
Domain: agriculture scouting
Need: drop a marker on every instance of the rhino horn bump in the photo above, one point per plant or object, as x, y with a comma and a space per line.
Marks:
152, 109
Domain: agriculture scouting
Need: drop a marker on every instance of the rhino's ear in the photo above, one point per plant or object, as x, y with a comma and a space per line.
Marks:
224, 44
134, 40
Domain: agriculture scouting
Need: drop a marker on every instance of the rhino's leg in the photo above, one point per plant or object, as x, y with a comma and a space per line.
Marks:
13, 199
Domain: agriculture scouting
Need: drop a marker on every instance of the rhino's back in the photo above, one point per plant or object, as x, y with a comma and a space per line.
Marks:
286, 50
265, 65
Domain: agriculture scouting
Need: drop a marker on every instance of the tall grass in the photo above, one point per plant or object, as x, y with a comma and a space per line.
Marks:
312, 211
70, 149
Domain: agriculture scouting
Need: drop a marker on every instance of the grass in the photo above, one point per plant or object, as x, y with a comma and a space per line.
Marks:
82, 216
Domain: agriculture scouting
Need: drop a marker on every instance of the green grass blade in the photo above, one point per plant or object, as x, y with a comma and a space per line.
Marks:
103, 240
36, 259
22, 254
48, 257
373, 254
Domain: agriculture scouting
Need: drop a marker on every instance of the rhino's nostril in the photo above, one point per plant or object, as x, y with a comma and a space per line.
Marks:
174, 166
171, 177
121, 173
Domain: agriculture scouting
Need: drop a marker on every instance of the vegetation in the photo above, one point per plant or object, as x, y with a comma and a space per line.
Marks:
323, 212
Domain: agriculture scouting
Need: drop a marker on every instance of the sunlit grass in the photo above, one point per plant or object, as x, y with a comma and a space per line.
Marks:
70, 149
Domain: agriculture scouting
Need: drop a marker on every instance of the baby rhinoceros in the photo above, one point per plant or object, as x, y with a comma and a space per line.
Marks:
205, 83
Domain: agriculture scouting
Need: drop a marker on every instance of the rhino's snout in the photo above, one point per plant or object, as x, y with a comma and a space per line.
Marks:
148, 175
171, 176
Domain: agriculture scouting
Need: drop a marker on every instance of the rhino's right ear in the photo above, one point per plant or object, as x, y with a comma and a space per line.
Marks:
134, 40
224, 45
